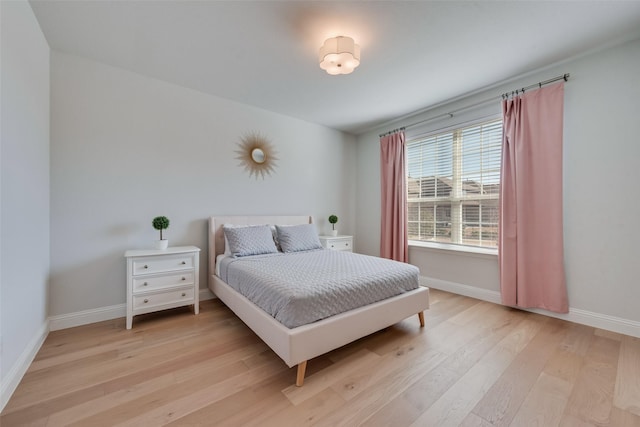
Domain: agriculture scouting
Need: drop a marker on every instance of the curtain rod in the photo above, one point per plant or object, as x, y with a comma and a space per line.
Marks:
450, 115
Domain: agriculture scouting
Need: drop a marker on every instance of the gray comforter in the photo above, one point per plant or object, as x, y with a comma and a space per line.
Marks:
303, 287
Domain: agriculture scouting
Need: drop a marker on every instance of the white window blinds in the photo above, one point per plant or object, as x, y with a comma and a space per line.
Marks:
453, 185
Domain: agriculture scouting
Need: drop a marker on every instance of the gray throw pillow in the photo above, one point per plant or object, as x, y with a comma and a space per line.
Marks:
246, 241
298, 238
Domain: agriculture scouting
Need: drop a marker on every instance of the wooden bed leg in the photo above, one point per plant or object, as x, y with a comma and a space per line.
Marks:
302, 367
421, 317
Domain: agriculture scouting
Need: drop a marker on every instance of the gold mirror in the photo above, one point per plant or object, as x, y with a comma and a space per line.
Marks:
256, 155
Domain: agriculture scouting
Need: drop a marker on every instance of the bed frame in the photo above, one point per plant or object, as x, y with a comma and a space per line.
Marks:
296, 346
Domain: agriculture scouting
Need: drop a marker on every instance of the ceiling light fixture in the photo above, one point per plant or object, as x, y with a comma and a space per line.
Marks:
339, 55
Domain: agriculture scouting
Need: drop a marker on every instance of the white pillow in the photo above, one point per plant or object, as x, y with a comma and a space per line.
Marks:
297, 238
252, 240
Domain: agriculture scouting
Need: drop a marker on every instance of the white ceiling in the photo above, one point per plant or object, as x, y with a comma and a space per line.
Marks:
264, 53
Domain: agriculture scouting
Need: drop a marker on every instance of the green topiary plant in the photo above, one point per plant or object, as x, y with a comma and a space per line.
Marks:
160, 223
333, 220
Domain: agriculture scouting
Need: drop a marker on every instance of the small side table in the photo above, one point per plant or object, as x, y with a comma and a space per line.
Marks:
162, 279
337, 243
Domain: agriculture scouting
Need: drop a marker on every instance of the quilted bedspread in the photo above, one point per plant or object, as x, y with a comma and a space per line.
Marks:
304, 287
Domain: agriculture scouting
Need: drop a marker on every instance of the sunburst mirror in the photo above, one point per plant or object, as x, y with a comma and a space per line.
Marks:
256, 155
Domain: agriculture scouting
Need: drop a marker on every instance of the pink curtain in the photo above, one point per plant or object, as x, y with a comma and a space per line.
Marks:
531, 245
393, 233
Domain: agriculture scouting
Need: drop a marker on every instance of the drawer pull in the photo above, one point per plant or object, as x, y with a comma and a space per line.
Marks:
144, 284
146, 266
184, 262
184, 295
332, 246
184, 278
346, 244
146, 300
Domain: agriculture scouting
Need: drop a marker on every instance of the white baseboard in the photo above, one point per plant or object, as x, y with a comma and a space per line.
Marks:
19, 368
79, 318
596, 320
460, 289
576, 315
206, 294
86, 317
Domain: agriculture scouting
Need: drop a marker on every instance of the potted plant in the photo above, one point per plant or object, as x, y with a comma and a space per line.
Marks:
333, 220
161, 223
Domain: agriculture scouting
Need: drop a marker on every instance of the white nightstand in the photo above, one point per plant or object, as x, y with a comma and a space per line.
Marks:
161, 279
337, 243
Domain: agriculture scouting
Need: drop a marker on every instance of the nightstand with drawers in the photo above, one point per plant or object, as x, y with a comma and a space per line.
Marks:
162, 279
337, 243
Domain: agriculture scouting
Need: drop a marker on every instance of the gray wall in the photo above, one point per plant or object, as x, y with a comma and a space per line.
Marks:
601, 175
24, 191
126, 148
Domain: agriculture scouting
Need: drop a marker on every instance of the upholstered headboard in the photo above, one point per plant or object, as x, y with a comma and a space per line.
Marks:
216, 235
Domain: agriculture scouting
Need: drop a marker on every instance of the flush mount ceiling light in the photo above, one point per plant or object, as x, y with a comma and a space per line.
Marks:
339, 55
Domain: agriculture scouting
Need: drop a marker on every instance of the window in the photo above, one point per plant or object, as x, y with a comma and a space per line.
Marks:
453, 185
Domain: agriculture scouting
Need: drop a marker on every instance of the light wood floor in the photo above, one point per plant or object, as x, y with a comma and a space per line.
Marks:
475, 364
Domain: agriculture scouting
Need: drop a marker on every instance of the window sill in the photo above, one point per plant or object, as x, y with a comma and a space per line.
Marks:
461, 249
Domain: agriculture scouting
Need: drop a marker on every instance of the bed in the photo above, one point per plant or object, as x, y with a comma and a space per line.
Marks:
297, 345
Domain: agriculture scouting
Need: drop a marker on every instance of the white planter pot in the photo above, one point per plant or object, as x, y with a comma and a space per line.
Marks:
334, 233
162, 244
